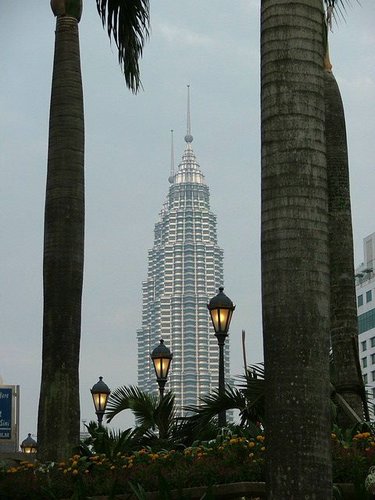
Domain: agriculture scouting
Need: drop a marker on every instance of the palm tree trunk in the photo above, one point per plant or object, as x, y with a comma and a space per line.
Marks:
59, 411
344, 323
295, 260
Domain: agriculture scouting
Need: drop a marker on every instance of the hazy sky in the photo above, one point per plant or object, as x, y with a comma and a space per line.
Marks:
212, 45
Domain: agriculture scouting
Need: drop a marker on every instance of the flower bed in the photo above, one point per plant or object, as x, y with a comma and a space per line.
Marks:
233, 460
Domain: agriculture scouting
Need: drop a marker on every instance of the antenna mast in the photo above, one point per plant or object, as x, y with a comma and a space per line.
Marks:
188, 136
171, 175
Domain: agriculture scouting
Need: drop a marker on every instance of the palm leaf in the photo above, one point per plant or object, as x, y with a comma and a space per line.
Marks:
164, 415
247, 397
132, 398
337, 3
127, 24
338, 7
150, 412
108, 441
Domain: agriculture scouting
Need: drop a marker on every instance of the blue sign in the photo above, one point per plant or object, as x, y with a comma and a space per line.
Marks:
5, 413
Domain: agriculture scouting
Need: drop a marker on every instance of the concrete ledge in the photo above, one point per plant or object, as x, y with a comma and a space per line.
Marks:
249, 490
252, 491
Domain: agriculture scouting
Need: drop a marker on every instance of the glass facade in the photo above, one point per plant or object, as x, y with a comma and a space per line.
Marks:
366, 321
185, 270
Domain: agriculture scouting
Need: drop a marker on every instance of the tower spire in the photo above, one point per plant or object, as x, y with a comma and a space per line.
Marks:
171, 175
188, 136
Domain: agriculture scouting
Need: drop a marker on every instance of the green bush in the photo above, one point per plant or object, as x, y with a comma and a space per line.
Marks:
223, 460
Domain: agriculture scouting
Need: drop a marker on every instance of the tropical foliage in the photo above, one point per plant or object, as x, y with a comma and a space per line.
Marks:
155, 417
228, 458
128, 24
103, 440
246, 396
157, 425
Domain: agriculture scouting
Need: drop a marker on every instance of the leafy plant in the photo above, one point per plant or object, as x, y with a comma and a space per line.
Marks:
107, 441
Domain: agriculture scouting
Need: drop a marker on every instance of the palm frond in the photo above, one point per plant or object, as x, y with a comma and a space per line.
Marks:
247, 397
211, 405
337, 8
151, 413
108, 441
164, 415
337, 3
128, 23
140, 403
254, 372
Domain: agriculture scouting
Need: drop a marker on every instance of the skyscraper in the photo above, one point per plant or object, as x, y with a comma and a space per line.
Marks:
365, 289
185, 269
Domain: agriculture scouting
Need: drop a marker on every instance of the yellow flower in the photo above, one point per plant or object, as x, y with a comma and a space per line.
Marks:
260, 438
262, 448
75, 472
251, 444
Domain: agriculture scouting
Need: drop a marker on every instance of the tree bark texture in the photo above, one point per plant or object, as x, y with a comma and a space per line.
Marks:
295, 257
59, 411
344, 323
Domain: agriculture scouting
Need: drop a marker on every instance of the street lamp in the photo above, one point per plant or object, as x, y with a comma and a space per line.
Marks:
161, 357
29, 445
221, 309
100, 392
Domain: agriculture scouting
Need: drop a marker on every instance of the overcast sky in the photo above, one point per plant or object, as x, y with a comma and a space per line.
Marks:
213, 45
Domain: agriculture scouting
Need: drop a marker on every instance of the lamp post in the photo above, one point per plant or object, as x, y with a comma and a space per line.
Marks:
100, 392
161, 357
29, 445
221, 309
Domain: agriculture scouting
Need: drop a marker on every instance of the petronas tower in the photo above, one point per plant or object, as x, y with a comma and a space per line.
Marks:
185, 270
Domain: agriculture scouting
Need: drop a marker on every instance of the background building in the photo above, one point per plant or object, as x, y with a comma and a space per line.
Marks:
365, 284
185, 269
